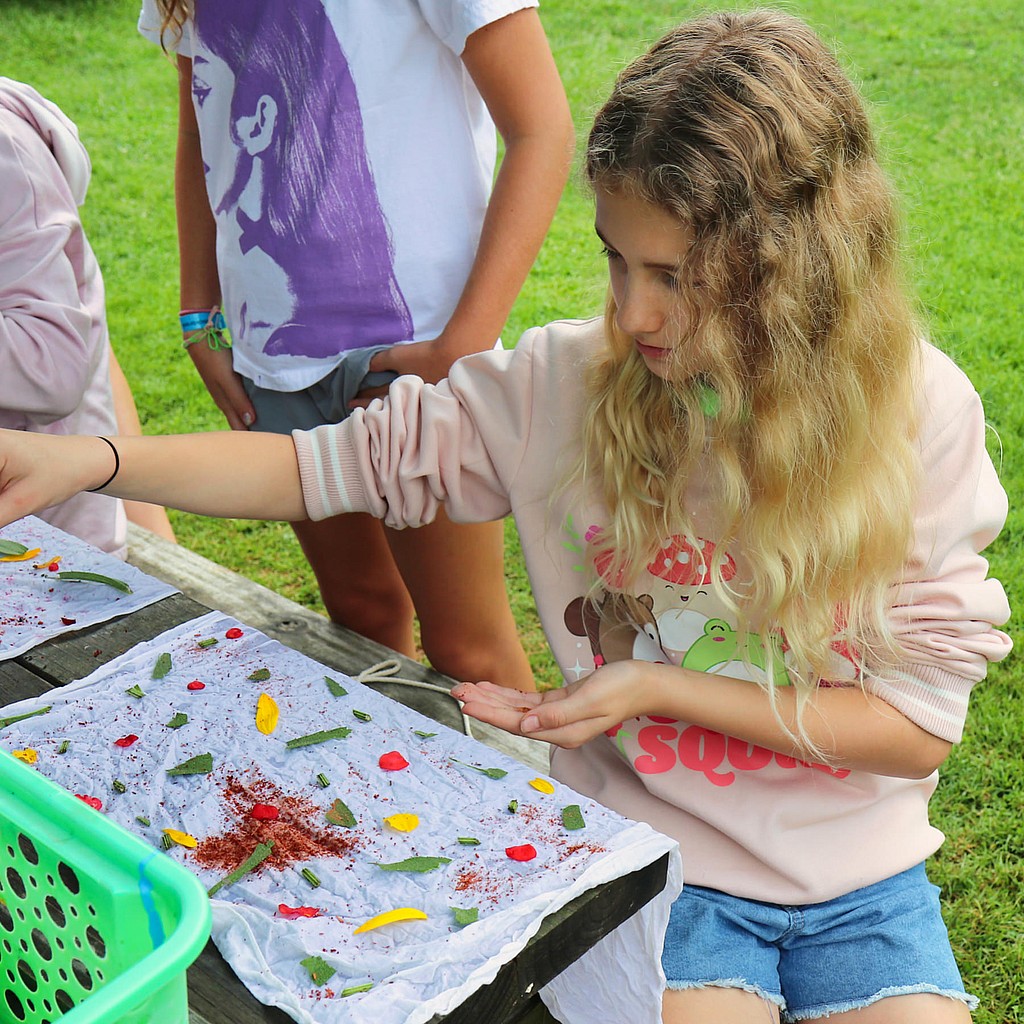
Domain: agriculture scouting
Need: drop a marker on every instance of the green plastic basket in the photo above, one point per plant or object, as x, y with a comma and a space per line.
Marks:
95, 925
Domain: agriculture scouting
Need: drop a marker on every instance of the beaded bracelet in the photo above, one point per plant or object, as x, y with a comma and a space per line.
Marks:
209, 326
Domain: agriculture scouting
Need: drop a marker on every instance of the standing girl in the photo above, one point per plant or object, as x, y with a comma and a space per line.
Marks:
752, 501
333, 186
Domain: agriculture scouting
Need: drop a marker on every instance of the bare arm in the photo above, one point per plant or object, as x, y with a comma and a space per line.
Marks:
853, 729
197, 258
233, 474
511, 64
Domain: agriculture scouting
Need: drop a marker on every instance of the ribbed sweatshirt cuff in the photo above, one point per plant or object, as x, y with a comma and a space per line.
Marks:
328, 470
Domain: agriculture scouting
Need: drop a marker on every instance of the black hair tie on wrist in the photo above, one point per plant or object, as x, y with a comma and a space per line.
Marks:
117, 465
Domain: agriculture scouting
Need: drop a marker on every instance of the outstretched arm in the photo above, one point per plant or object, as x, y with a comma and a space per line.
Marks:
230, 474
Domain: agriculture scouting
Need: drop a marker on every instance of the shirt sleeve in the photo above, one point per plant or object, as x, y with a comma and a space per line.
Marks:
150, 20
946, 611
454, 22
458, 443
45, 358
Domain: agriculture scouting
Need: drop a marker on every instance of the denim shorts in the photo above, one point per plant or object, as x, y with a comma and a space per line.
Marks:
326, 401
887, 939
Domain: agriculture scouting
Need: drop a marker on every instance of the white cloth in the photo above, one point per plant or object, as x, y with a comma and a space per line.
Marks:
392, 142
419, 968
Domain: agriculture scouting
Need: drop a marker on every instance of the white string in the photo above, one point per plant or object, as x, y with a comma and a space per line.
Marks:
387, 672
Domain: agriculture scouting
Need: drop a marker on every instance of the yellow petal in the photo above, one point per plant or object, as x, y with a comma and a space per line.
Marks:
542, 786
402, 822
182, 838
28, 755
390, 917
21, 558
266, 714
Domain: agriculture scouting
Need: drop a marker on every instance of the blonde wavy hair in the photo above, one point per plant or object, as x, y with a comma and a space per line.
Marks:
745, 127
175, 13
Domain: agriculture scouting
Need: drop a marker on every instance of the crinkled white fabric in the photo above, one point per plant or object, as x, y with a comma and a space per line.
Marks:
418, 968
33, 602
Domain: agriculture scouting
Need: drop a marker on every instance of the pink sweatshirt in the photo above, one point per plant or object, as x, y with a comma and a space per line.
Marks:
54, 349
499, 436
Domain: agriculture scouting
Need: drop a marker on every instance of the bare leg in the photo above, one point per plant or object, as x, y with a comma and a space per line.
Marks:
923, 1008
456, 576
716, 1005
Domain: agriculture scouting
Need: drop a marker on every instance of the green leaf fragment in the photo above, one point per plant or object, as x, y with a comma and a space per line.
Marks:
336, 688
162, 666
4, 722
322, 781
208, 642
310, 877
465, 915
11, 547
257, 857
135, 691
362, 716
93, 577
179, 719
424, 735
353, 989
63, 748
261, 675
118, 786
339, 814
491, 773
320, 971
416, 864
318, 737
201, 764
513, 806
572, 817
468, 841
143, 820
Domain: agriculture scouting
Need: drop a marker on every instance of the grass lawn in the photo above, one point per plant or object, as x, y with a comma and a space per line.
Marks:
946, 84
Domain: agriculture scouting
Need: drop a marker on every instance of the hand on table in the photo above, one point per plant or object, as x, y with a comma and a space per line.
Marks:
567, 717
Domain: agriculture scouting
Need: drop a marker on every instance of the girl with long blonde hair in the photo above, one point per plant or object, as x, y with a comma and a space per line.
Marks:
752, 501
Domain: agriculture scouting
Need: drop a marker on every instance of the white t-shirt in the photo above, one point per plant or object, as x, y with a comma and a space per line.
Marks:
349, 163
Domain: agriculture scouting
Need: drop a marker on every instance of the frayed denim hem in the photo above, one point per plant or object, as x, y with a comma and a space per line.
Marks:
740, 983
826, 1010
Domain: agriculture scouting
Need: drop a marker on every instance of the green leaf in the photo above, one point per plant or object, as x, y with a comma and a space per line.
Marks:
93, 577
339, 814
572, 817
208, 642
468, 841
261, 675
135, 691
11, 547
320, 971
417, 864
4, 722
424, 735
491, 773
465, 915
162, 666
179, 719
353, 989
513, 806
257, 857
362, 716
318, 737
201, 764
336, 689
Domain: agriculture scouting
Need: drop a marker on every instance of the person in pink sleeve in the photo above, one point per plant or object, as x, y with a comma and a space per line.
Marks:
753, 502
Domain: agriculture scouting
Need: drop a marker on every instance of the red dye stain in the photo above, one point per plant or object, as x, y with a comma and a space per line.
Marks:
265, 812
468, 880
299, 832
196, 685
95, 803
233, 633
291, 913
393, 761
524, 852
126, 741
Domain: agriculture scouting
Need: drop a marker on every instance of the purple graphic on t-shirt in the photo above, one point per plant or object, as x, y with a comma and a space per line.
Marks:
313, 248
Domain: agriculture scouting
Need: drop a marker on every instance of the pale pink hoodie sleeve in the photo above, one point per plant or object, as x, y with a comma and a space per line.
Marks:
946, 611
458, 443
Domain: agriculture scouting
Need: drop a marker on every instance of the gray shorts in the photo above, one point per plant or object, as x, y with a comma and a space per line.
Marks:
326, 401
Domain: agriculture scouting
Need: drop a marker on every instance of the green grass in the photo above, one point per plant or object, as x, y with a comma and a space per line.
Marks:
945, 81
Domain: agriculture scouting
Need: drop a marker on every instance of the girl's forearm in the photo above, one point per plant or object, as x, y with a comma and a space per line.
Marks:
849, 727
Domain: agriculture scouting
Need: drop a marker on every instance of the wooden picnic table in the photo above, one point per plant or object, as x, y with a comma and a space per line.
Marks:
216, 996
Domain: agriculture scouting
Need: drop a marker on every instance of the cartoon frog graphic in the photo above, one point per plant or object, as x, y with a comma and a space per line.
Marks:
719, 651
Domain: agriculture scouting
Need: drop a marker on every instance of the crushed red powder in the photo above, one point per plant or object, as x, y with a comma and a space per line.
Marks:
299, 833
468, 880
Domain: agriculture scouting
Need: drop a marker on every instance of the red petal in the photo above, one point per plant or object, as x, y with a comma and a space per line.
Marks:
126, 741
66, 621
264, 812
53, 567
92, 801
196, 685
293, 912
233, 634
393, 761
524, 852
